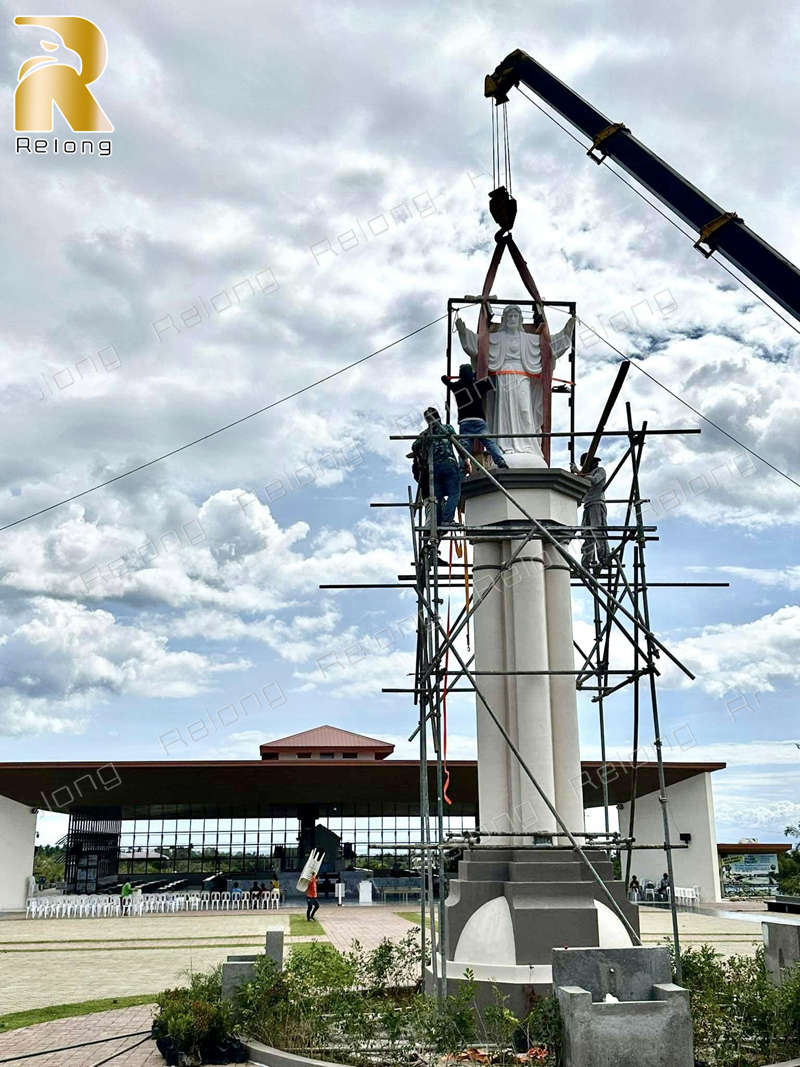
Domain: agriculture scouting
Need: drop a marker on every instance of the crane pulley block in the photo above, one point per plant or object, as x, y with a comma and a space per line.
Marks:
503, 208
505, 77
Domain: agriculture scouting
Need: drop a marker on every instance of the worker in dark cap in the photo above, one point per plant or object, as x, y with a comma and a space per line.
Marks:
594, 548
469, 396
447, 467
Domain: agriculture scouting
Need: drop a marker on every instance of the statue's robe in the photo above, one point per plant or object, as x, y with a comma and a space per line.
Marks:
515, 405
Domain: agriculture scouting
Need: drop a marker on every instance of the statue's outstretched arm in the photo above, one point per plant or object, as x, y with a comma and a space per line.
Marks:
468, 339
562, 340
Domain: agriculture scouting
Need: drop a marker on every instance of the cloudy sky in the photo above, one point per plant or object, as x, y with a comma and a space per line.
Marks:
291, 188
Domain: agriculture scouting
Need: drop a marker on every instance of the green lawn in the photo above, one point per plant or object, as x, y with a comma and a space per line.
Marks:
298, 927
64, 1011
413, 917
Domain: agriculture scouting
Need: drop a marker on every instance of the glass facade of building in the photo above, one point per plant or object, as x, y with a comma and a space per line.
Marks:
155, 841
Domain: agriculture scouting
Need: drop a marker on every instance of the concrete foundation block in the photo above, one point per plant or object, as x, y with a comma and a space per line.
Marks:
234, 974
274, 947
625, 973
653, 1030
238, 969
781, 948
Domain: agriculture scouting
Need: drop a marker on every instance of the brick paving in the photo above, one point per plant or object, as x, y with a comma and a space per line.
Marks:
61, 961
57, 961
730, 937
66, 960
369, 925
62, 1032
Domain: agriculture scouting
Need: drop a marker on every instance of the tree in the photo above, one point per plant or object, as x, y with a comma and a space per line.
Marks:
48, 863
789, 865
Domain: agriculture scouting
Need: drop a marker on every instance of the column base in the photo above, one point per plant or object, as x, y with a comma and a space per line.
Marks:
508, 910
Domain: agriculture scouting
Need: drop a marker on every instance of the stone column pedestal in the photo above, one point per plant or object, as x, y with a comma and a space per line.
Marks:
511, 906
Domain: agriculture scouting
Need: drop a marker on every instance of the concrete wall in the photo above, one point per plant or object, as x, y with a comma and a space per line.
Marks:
17, 839
691, 810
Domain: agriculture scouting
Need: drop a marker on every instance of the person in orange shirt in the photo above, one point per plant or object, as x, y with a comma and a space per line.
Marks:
312, 904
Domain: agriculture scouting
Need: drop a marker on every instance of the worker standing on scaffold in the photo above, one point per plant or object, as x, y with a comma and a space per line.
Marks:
447, 469
594, 549
469, 396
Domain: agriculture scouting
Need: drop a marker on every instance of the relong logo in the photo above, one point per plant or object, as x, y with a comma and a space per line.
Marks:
44, 81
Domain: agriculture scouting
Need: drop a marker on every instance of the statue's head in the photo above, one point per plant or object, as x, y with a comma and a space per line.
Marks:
512, 318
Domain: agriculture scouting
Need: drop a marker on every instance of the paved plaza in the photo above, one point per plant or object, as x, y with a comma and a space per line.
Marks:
58, 961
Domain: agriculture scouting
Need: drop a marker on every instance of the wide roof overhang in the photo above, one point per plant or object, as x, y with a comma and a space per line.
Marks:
258, 787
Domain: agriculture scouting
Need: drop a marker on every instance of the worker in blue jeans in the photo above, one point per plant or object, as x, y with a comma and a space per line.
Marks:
447, 470
469, 396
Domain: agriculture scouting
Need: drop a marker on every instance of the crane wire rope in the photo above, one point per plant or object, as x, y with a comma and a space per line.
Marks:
714, 258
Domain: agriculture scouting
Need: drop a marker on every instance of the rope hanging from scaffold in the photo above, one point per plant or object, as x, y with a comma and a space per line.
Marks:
445, 771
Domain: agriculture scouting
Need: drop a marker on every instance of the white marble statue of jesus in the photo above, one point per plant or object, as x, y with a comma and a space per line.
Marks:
515, 405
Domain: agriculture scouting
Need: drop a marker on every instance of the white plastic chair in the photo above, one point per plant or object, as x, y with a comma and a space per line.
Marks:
215, 900
275, 899
225, 901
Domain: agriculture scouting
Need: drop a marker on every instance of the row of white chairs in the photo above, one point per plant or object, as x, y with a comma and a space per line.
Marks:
241, 901
687, 896
101, 906
69, 907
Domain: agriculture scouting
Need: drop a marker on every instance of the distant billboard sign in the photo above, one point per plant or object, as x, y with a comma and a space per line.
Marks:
749, 871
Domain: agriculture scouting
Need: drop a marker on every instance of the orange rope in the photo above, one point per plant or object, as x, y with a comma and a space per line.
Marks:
466, 586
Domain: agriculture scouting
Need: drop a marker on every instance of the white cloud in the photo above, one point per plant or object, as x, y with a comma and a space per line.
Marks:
752, 656
64, 658
235, 574
761, 800
100, 250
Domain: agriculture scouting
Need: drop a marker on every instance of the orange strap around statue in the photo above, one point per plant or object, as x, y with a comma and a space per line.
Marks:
546, 347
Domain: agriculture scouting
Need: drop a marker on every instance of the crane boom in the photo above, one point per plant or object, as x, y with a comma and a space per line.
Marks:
719, 230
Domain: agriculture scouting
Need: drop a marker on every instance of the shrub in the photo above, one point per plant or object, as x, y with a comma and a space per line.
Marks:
545, 1030
195, 1025
740, 1019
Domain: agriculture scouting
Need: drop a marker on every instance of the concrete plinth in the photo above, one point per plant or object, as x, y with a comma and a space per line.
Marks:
508, 909
238, 969
646, 1025
781, 948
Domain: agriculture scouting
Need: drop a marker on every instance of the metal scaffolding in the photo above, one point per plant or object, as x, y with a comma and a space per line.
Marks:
620, 608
